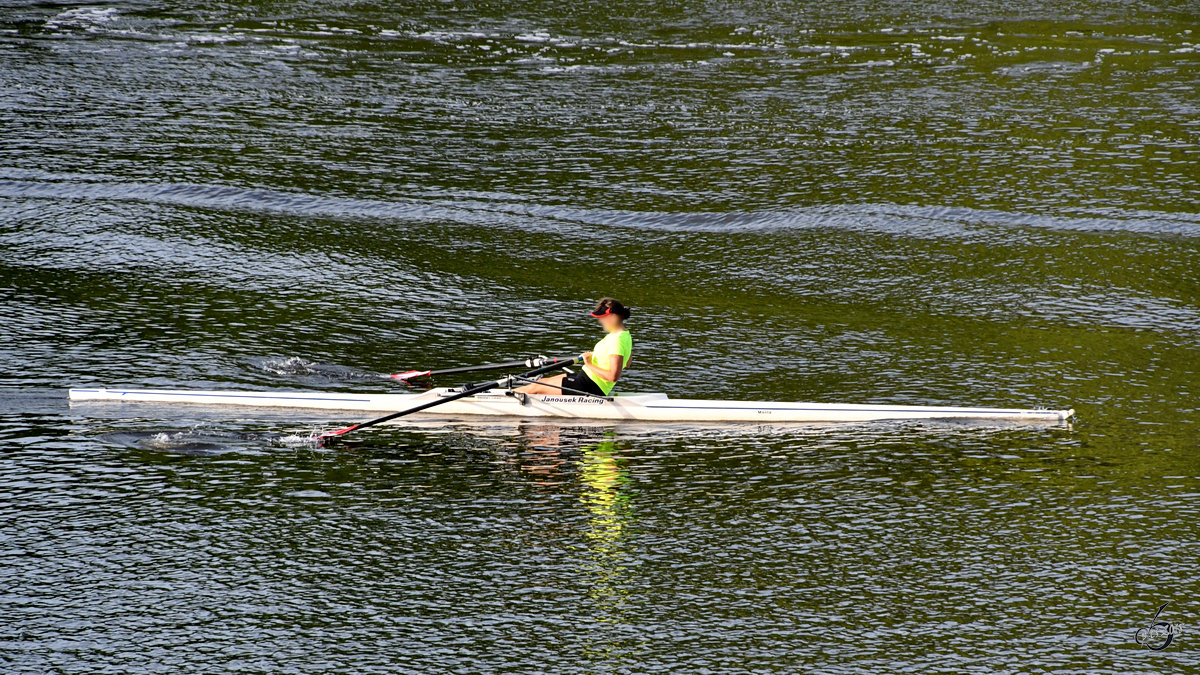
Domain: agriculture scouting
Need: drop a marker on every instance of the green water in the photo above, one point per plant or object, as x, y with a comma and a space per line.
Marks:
953, 204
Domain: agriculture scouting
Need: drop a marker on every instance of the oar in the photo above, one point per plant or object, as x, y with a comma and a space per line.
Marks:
549, 365
527, 363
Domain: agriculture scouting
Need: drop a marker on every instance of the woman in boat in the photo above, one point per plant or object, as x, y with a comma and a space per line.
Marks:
602, 366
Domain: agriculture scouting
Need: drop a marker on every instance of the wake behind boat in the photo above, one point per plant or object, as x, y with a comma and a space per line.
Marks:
651, 407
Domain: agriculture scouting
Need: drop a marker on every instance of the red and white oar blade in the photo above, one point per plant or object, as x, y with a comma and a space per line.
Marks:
330, 435
408, 375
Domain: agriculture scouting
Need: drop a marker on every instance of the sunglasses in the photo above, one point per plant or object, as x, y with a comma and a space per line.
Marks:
607, 311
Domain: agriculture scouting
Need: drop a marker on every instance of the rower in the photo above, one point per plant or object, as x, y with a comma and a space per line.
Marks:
602, 366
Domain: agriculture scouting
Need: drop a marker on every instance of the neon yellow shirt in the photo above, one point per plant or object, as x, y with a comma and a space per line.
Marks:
613, 344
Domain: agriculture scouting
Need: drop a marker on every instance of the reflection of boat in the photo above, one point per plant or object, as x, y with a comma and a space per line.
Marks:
642, 407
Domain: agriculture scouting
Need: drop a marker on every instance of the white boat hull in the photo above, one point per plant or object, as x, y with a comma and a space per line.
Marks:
640, 407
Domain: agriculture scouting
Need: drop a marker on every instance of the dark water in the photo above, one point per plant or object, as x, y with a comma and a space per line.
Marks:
958, 203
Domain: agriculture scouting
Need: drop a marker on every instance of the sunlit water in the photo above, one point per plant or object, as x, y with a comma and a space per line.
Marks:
964, 203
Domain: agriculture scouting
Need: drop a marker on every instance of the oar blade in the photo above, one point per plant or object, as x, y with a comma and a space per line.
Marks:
410, 374
328, 437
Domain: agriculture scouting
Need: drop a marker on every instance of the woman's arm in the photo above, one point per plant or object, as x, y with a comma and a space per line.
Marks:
612, 373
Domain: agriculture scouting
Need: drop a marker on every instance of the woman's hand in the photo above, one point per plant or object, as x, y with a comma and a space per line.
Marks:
587, 357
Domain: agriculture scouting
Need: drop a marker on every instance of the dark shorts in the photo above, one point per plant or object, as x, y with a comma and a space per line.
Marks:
580, 381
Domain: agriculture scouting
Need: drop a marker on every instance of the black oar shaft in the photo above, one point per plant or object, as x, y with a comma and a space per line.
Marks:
424, 406
552, 364
489, 366
533, 362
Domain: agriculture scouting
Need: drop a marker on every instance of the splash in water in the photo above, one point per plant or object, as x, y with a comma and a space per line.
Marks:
201, 440
299, 367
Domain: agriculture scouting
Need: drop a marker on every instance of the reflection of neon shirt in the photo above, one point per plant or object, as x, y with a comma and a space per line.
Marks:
613, 344
607, 497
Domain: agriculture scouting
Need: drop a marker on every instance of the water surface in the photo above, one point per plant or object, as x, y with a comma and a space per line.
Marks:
965, 203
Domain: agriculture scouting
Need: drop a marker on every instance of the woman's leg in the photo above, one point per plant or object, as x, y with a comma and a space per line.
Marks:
542, 386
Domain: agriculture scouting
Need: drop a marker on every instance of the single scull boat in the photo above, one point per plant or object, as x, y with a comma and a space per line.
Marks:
640, 407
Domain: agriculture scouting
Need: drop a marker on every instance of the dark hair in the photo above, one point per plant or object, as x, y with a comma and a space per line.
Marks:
611, 306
